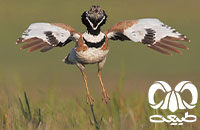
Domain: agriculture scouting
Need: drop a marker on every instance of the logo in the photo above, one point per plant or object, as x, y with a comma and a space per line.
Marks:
173, 102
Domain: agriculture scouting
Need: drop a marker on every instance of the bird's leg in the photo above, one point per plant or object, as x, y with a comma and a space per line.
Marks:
100, 67
89, 97
82, 69
106, 98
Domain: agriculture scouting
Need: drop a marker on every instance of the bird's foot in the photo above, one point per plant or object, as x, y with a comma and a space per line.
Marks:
89, 99
106, 98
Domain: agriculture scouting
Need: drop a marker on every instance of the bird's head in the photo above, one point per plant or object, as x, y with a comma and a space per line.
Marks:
94, 18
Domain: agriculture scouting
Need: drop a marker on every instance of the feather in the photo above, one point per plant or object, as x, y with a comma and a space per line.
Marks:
31, 43
37, 46
151, 32
159, 50
46, 48
168, 47
173, 43
39, 35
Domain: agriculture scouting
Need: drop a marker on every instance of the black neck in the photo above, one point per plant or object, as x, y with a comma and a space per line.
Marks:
94, 44
93, 32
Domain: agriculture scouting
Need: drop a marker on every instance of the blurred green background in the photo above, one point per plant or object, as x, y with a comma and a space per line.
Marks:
137, 61
39, 73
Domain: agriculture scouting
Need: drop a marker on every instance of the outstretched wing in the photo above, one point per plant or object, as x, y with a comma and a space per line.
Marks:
151, 32
46, 36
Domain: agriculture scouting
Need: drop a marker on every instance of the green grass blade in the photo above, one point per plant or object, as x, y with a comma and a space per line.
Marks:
22, 108
28, 106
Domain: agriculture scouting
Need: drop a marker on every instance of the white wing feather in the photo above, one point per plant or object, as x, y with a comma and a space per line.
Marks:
149, 31
47, 36
137, 31
38, 30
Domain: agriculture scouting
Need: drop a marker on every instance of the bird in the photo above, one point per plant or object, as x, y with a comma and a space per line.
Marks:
91, 47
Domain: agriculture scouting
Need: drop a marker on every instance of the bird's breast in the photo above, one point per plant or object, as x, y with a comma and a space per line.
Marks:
95, 48
91, 55
94, 41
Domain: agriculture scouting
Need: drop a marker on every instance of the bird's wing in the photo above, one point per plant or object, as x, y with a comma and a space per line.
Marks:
151, 32
46, 36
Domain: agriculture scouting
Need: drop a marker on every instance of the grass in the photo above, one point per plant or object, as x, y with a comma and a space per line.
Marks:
123, 112
26, 111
